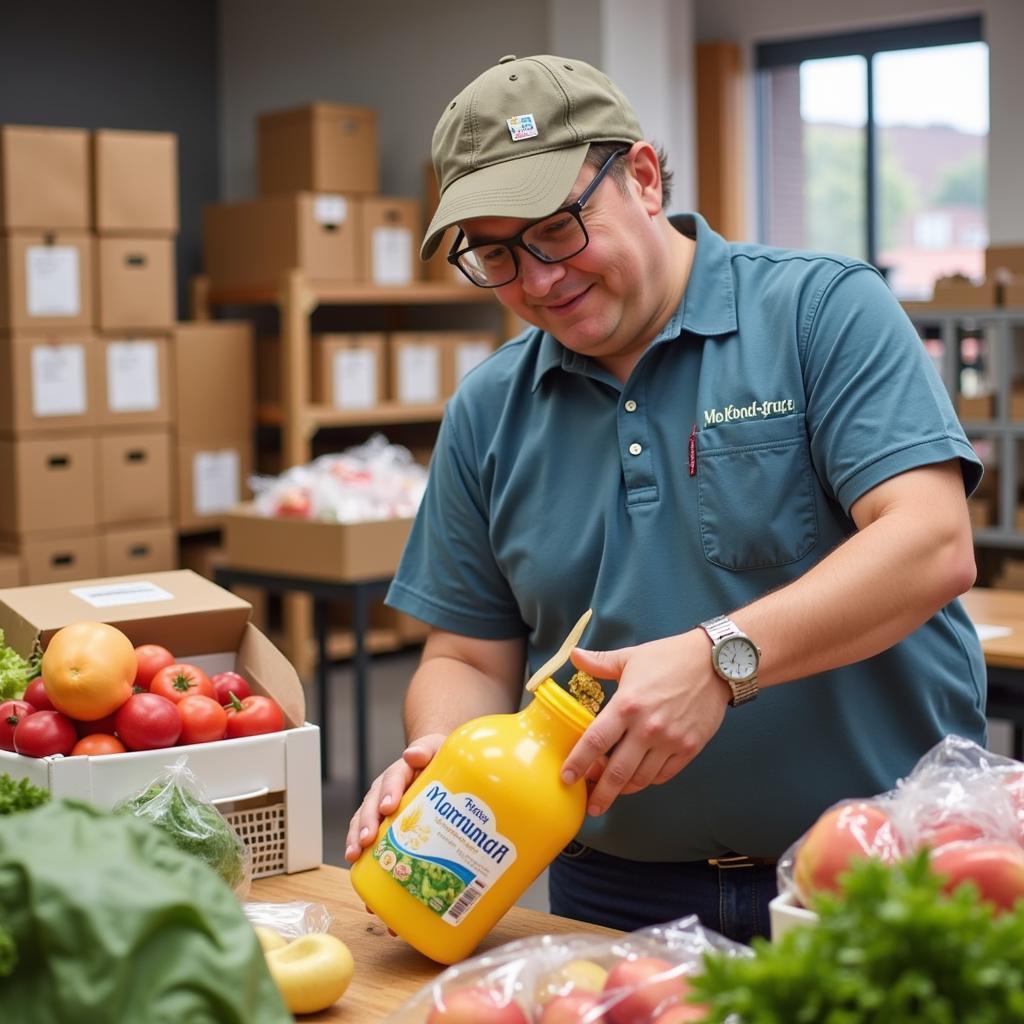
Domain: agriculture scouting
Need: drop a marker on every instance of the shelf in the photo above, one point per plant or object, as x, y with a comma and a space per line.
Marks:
338, 293
385, 414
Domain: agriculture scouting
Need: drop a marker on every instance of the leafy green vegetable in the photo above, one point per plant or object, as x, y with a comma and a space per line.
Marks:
15, 672
891, 949
8, 953
195, 827
19, 796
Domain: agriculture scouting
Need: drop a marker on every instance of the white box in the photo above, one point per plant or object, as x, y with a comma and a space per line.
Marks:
785, 914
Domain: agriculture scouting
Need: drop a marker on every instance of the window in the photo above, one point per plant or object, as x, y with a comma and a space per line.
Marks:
874, 144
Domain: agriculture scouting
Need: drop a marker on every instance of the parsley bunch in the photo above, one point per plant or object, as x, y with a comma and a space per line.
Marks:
891, 949
19, 796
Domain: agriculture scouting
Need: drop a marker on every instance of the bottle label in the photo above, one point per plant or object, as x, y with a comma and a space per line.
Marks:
445, 850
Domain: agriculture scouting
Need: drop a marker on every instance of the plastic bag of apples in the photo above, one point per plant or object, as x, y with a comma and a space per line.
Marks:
639, 978
962, 802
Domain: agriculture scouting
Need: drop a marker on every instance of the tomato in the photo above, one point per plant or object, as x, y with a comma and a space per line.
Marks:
227, 683
181, 680
43, 734
148, 721
476, 1006
88, 669
202, 719
151, 658
253, 716
11, 713
97, 743
105, 725
35, 694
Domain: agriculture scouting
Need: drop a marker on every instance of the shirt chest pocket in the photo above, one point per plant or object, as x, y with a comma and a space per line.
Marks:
755, 493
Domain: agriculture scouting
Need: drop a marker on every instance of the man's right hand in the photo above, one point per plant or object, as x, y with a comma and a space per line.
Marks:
386, 792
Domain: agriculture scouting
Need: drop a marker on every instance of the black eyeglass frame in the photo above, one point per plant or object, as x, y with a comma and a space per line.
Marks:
513, 242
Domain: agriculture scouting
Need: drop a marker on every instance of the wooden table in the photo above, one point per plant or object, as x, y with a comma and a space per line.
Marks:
1004, 655
387, 970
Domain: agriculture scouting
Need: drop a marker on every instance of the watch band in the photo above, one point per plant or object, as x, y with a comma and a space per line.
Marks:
722, 628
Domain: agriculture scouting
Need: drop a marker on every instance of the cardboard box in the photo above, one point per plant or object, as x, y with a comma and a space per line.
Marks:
203, 555
254, 244
143, 548
11, 572
213, 380
981, 512
44, 178
416, 367
319, 550
56, 559
137, 283
786, 914
212, 479
267, 786
346, 371
437, 268
321, 147
390, 230
47, 383
1013, 292
1017, 401
134, 477
46, 281
1004, 257
461, 352
49, 484
135, 182
133, 377
977, 407
958, 292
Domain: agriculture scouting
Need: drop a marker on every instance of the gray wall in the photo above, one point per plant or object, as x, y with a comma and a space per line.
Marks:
117, 64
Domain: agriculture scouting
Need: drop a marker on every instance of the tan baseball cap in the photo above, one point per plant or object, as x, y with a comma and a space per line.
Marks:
512, 143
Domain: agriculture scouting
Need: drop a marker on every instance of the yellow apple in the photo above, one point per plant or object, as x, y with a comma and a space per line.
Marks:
312, 972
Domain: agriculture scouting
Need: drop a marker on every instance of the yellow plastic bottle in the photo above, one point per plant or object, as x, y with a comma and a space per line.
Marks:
481, 822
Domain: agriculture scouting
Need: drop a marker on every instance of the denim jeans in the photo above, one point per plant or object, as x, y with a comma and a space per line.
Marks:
588, 885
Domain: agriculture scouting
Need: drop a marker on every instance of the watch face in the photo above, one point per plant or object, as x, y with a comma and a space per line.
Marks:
737, 658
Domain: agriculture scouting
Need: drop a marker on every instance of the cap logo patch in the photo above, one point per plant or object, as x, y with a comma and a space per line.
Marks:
522, 126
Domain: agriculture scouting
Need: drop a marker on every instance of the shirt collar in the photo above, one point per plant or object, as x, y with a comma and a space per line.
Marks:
707, 309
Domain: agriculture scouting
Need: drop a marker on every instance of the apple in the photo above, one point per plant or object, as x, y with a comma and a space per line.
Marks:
640, 990
573, 1008
941, 834
997, 869
851, 831
572, 976
475, 1006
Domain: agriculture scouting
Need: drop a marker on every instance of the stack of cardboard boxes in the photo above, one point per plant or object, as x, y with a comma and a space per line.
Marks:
1003, 284
87, 286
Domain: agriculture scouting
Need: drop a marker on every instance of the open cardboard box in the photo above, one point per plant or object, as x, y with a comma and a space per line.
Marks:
785, 914
267, 786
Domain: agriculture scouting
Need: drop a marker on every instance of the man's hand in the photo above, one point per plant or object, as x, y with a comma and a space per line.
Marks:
669, 703
386, 792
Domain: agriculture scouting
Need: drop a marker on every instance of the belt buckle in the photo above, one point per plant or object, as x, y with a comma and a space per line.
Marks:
735, 860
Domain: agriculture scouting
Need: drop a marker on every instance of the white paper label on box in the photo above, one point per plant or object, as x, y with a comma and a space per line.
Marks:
133, 376
215, 478
329, 209
58, 380
108, 595
51, 280
419, 374
392, 256
354, 378
469, 354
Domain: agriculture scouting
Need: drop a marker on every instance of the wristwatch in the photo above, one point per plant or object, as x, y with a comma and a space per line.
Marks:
734, 657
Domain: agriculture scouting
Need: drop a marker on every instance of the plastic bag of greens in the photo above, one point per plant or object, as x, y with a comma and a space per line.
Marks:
175, 802
110, 922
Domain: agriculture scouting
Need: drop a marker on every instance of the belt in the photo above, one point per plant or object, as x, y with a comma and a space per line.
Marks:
730, 861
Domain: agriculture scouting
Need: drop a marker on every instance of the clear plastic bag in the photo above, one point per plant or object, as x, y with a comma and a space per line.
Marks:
579, 977
176, 803
290, 920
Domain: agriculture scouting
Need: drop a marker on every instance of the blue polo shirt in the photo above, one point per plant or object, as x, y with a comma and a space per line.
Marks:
555, 488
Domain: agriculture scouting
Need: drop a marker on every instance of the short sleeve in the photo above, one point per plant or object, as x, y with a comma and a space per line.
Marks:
876, 406
448, 576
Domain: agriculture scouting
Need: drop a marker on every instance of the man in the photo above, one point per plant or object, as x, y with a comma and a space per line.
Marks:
739, 457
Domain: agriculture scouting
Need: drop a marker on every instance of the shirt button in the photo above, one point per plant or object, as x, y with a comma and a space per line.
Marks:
635, 449
630, 406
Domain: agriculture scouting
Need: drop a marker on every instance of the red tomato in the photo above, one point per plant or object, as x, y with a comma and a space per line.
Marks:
11, 713
202, 720
476, 1006
152, 658
97, 743
227, 683
253, 716
105, 725
148, 721
43, 734
35, 694
181, 680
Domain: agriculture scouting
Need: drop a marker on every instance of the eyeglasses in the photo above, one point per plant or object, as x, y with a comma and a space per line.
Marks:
557, 237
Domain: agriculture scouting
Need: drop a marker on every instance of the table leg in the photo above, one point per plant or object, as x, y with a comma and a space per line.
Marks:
322, 684
361, 612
